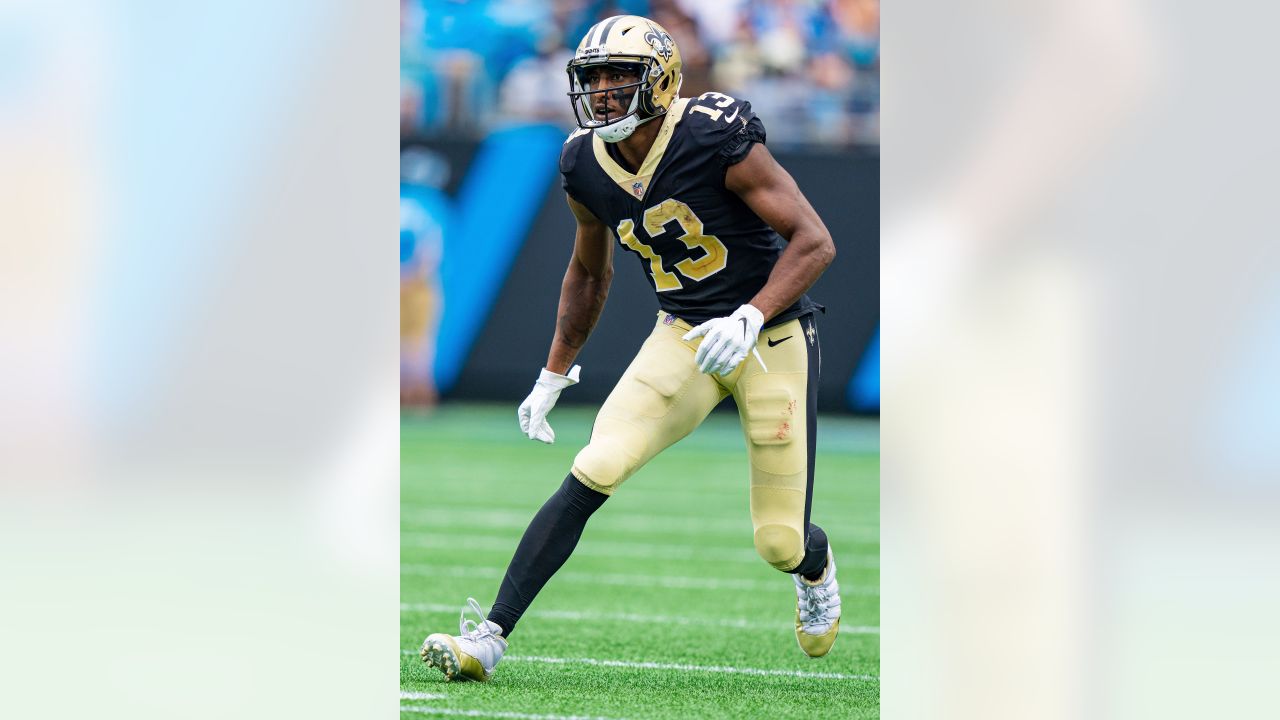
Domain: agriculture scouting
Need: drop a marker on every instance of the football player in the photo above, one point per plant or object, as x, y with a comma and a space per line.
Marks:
730, 246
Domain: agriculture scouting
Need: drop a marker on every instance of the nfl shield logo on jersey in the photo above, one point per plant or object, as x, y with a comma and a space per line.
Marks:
638, 189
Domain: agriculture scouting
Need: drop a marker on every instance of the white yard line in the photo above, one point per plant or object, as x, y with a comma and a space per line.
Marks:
406, 695
604, 548
682, 667
730, 669
428, 710
518, 519
734, 623
664, 581
694, 668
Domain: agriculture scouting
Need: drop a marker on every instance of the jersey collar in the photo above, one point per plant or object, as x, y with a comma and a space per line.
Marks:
637, 184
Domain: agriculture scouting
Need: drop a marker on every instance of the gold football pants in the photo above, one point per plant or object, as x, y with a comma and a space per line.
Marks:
663, 396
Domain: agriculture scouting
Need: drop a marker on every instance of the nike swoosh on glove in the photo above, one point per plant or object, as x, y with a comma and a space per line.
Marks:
727, 340
533, 411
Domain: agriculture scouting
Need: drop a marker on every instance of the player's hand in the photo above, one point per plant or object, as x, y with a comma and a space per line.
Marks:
533, 411
727, 340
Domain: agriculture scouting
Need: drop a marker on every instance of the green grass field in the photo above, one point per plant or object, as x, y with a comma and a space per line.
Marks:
664, 610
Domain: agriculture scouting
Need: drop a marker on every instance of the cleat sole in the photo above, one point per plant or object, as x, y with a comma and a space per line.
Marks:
439, 654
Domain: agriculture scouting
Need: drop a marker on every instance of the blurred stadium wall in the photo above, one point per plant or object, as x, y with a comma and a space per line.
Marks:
484, 227
508, 241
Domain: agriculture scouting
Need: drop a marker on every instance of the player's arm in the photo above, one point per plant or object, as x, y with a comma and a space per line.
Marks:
771, 193
582, 296
585, 288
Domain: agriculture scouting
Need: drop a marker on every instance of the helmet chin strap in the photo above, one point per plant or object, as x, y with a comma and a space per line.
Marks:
619, 131
622, 129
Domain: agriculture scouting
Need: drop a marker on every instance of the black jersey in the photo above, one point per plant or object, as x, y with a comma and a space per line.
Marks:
704, 251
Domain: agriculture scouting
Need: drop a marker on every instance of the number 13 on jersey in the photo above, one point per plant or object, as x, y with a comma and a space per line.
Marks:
714, 258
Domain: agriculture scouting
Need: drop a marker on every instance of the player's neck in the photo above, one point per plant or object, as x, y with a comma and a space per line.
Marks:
635, 148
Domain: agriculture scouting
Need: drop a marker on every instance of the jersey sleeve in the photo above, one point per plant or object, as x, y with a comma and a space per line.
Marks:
724, 125
735, 149
568, 160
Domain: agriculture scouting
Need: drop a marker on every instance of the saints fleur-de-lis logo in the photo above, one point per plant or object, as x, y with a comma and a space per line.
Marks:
660, 41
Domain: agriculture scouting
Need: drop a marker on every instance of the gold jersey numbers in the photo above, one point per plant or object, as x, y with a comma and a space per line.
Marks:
662, 280
713, 258
715, 255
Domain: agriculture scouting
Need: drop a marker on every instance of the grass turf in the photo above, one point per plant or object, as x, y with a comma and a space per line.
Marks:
665, 573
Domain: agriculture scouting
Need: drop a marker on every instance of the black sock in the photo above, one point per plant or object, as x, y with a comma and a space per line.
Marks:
815, 555
546, 545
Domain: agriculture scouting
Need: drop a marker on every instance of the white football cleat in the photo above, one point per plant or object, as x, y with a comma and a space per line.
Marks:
469, 656
818, 610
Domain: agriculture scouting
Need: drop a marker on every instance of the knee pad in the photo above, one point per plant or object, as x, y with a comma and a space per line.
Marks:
782, 546
602, 466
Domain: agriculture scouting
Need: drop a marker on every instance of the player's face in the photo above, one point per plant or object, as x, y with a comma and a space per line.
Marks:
607, 105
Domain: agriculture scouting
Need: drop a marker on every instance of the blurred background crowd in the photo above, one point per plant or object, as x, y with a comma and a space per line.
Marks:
810, 68
483, 100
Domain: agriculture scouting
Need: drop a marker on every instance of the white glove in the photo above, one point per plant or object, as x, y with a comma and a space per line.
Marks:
727, 340
533, 411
